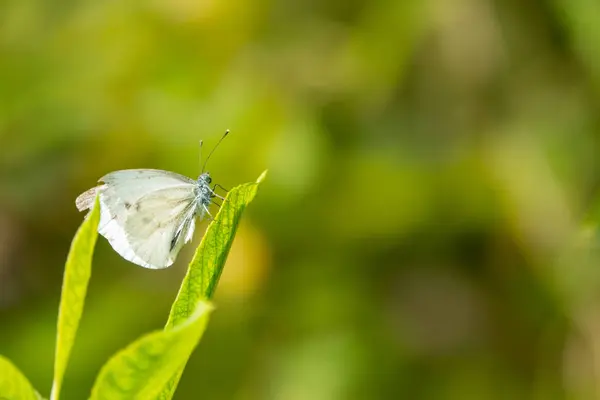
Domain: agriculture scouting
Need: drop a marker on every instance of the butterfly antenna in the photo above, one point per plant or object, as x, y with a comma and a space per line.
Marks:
200, 159
214, 148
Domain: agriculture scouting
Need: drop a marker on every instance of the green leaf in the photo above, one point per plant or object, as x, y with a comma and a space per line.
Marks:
13, 384
205, 268
75, 282
207, 264
142, 369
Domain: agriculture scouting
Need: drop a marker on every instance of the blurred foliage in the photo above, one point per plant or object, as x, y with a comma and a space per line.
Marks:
420, 234
145, 367
13, 385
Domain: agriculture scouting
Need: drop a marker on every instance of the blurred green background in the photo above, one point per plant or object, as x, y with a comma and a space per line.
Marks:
422, 231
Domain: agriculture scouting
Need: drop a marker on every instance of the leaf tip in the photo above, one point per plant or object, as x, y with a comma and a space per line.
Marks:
262, 176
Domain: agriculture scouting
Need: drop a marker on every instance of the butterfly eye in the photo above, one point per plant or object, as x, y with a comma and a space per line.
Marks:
208, 179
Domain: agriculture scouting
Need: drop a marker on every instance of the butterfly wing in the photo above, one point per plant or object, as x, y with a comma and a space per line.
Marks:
162, 222
131, 184
146, 215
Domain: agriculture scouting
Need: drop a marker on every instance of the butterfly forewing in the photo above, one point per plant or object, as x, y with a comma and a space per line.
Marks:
146, 215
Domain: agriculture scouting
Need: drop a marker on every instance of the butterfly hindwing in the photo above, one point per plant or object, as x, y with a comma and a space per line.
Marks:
158, 228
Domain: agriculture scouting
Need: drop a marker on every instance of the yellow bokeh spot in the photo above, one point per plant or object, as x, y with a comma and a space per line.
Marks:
247, 265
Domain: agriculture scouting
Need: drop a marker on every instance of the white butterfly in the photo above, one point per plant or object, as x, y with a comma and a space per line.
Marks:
147, 215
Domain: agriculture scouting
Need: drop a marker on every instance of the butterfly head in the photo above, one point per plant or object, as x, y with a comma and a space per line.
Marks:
204, 179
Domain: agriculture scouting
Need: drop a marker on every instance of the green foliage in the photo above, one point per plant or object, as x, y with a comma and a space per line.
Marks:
430, 162
151, 366
142, 369
78, 270
13, 384
205, 268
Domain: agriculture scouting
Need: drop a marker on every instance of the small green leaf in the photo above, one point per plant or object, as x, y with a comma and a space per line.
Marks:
75, 282
13, 384
142, 369
205, 268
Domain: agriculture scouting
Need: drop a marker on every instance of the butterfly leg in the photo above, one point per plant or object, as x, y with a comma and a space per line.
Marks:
215, 193
216, 184
208, 212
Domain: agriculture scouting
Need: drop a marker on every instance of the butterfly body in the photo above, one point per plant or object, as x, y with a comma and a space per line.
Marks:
204, 194
147, 215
